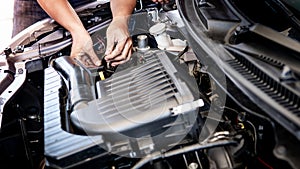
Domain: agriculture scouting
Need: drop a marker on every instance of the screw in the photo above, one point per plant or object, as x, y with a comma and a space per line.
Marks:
193, 166
20, 71
132, 154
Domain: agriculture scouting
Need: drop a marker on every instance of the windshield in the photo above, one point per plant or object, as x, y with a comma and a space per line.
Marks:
286, 12
293, 3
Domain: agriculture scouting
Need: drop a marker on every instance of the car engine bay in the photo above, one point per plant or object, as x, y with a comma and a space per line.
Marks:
210, 85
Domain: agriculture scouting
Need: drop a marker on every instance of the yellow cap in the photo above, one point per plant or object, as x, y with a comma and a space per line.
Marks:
101, 74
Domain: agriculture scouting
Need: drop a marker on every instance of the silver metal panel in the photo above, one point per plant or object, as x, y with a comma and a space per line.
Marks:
58, 142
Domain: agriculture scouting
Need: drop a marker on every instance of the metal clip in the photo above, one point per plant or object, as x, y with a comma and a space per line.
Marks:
186, 107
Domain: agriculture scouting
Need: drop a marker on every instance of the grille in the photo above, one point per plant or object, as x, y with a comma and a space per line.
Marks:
287, 99
142, 87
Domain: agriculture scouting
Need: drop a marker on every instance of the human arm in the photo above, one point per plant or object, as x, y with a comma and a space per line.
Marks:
119, 43
63, 13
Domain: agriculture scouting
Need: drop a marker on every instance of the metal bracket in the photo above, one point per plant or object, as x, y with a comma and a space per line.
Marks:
20, 77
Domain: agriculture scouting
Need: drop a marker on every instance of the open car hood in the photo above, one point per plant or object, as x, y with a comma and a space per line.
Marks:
259, 54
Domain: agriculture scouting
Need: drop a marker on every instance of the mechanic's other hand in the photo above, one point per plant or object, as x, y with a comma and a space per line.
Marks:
119, 42
82, 50
161, 1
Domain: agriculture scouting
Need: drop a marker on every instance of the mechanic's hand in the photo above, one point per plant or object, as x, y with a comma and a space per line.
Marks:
82, 50
119, 42
161, 1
